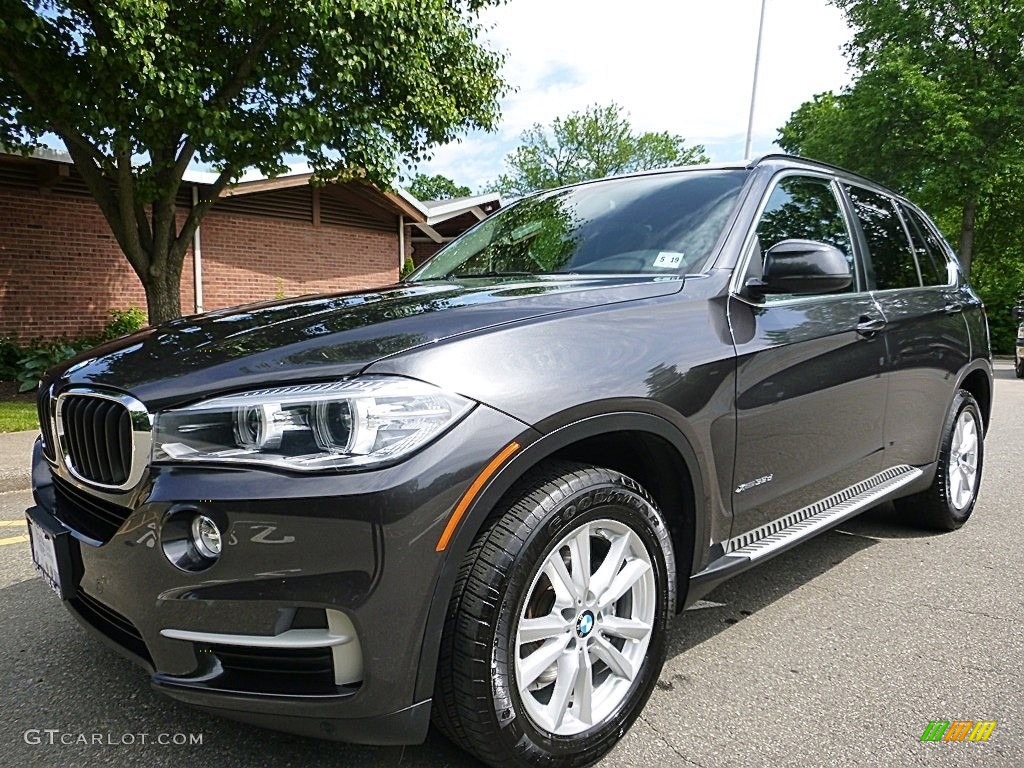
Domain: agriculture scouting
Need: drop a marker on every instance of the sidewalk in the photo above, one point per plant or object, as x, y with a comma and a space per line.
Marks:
15, 457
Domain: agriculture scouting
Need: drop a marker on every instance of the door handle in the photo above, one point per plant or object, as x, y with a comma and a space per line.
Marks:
953, 307
869, 326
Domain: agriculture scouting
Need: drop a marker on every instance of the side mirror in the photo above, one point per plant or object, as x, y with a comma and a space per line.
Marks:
802, 267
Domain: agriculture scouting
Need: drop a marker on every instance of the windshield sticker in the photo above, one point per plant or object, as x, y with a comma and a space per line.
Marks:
668, 260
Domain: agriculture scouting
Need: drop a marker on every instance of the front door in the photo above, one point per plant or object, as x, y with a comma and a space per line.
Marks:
810, 397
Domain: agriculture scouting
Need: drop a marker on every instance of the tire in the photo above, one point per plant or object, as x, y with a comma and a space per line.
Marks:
503, 583
945, 505
1018, 367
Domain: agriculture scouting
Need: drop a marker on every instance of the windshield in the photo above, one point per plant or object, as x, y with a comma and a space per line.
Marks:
659, 224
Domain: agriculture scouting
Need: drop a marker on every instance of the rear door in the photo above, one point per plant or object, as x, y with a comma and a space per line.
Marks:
926, 336
810, 396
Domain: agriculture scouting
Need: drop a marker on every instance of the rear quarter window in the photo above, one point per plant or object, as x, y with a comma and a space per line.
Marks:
888, 248
931, 255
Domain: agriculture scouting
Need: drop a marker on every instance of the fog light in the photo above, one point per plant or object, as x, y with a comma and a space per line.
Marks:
191, 540
206, 536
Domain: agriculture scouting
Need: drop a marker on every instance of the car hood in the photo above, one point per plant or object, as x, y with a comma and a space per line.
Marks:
318, 337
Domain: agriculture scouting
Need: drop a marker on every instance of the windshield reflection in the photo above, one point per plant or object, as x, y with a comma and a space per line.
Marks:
659, 224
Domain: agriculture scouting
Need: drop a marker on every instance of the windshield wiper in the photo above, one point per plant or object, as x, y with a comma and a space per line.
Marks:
496, 273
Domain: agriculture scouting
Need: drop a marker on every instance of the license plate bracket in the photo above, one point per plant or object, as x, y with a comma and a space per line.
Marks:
51, 551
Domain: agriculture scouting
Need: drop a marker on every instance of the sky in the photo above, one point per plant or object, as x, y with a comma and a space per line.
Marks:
682, 66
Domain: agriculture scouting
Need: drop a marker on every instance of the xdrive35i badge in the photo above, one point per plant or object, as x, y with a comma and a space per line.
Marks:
754, 483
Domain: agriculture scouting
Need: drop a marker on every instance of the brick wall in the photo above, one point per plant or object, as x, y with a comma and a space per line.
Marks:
249, 258
421, 251
61, 271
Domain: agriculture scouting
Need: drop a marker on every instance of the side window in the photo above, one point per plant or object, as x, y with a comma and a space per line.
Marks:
891, 256
931, 256
804, 208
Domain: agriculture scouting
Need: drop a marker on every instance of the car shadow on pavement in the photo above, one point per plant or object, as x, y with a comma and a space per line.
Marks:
744, 595
749, 592
886, 522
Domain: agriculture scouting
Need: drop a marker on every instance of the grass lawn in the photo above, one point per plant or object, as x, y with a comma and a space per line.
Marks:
17, 414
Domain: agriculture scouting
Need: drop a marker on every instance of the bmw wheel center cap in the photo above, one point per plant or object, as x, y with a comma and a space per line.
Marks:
584, 624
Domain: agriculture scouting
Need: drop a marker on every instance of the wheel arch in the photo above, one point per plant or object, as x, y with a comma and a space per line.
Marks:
623, 441
977, 379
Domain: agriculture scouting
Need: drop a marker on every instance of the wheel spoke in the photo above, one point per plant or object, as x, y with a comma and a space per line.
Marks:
579, 556
624, 579
534, 665
561, 581
956, 481
543, 628
629, 629
610, 566
969, 439
583, 691
968, 486
568, 667
610, 655
958, 437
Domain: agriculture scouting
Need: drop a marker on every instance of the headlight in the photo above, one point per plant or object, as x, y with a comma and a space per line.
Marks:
359, 422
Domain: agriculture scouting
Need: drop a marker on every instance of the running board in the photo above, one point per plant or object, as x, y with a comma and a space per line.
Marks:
750, 548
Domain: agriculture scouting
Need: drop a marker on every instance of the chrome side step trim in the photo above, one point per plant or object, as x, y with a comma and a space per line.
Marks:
808, 521
746, 550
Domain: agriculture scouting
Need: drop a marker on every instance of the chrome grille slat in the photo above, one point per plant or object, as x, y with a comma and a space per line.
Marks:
76, 445
94, 425
111, 440
88, 432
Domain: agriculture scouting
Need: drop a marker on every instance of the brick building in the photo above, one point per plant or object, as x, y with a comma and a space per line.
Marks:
62, 272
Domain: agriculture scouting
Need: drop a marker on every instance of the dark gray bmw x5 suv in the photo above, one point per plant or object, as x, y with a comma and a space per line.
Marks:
479, 496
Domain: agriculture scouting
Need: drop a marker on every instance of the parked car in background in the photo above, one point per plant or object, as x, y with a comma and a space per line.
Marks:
1018, 361
480, 496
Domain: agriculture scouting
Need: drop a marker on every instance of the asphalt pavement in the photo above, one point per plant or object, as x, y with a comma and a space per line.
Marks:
15, 460
837, 653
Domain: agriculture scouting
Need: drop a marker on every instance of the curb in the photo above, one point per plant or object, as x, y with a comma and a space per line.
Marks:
13, 484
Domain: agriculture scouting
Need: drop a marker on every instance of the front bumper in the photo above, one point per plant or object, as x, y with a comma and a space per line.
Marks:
299, 552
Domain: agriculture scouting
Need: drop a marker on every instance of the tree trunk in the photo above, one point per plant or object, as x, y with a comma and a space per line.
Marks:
163, 294
967, 235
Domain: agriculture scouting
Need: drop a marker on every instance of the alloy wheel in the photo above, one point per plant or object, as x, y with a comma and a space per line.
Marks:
963, 461
585, 627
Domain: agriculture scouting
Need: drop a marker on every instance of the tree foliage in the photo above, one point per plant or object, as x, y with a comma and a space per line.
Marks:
596, 142
936, 109
138, 89
436, 187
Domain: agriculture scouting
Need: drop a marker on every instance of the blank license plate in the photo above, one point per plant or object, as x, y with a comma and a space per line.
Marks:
44, 555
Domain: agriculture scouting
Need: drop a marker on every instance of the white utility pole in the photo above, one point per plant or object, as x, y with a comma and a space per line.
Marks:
753, 89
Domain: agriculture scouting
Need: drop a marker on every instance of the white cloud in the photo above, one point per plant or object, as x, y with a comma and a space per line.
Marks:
684, 67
